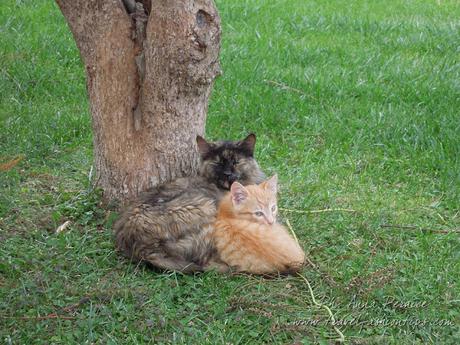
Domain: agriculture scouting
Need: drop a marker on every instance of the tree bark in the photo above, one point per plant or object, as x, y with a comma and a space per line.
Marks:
150, 67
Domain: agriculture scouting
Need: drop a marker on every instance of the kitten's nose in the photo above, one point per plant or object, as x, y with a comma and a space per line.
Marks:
270, 221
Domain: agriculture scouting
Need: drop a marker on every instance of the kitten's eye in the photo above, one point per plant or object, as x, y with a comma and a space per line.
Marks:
235, 162
273, 208
259, 214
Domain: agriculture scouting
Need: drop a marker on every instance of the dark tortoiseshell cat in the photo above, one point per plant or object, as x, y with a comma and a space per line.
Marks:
162, 223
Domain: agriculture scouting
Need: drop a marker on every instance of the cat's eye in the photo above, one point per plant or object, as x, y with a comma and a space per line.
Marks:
273, 208
258, 214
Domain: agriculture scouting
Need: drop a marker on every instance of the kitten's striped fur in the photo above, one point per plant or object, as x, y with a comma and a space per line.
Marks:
246, 236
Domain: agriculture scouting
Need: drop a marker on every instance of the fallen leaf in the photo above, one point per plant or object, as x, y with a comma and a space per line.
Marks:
62, 227
11, 164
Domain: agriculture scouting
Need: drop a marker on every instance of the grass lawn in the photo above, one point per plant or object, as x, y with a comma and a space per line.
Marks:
357, 107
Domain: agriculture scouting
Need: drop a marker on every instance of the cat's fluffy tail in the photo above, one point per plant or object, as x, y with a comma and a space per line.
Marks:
165, 262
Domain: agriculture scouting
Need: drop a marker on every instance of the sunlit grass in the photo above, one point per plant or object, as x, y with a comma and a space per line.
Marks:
356, 106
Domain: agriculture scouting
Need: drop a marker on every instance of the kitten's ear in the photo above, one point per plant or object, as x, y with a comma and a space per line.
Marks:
248, 144
203, 145
239, 193
271, 184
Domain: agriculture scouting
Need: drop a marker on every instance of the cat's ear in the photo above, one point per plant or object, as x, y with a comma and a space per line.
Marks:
248, 144
271, 184
203, 146
239, 193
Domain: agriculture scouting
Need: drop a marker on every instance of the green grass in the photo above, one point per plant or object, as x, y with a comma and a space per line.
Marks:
356, 105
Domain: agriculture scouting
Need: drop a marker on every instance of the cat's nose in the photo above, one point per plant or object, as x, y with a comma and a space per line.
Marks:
231, 177
270, 221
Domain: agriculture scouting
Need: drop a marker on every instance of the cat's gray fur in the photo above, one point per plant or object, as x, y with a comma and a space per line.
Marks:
165, 226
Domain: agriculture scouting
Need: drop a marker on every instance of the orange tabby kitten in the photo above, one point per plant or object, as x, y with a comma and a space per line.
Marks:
247, 237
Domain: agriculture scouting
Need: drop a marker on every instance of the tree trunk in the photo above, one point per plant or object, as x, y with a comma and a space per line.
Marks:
150, 66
